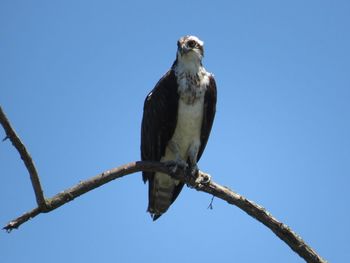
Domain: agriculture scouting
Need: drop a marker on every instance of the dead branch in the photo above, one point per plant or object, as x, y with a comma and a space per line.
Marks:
259, 213
25, 156
84, 187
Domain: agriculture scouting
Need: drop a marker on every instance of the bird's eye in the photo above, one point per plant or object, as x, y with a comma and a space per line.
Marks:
191, 43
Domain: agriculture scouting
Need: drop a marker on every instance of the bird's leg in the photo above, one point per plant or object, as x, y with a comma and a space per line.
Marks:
177, 162
192, 171
199, 178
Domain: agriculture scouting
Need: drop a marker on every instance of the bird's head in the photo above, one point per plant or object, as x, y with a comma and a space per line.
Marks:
190, 48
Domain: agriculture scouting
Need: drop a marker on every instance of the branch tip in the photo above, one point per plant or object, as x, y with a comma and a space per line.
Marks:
8, 228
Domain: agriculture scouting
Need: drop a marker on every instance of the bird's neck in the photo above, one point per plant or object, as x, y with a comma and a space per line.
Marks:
188, 65
192, 79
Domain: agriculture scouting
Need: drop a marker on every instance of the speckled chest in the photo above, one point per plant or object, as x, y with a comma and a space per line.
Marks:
192, 87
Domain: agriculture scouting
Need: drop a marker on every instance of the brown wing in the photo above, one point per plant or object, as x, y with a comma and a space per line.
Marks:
158, 126
208, 114
159, 120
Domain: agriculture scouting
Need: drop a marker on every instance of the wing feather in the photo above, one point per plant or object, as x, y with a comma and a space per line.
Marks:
159, 120
208, 114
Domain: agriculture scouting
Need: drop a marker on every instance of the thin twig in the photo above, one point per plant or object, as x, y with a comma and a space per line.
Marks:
25, 156
224, 193
210, 206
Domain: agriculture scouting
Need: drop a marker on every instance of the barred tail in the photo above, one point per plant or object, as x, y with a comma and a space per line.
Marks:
163, 190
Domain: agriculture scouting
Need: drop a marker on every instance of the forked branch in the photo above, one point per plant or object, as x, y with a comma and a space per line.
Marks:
224, 193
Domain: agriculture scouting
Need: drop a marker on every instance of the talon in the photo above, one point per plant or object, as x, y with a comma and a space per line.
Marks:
175, 165
203, 179
206, 178
194, 172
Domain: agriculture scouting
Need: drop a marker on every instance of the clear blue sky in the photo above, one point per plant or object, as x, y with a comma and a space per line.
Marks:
73, 77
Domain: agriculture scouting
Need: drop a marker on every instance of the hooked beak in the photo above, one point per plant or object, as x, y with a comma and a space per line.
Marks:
184, 49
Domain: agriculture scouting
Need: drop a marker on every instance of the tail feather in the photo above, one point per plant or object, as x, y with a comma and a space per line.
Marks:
163, 190
155, 217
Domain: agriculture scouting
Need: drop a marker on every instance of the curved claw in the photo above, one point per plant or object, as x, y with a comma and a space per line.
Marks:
203, 179
192, 172
206, 178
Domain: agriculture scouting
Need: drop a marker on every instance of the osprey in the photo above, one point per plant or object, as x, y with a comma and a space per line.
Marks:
177, 118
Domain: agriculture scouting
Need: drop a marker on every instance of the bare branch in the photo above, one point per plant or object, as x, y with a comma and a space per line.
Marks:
224, 193
84, 187
14, 224
294, 241
17, 143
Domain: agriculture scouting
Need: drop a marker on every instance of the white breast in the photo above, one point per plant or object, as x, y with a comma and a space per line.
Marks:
189, 115
188, 127
186, 137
